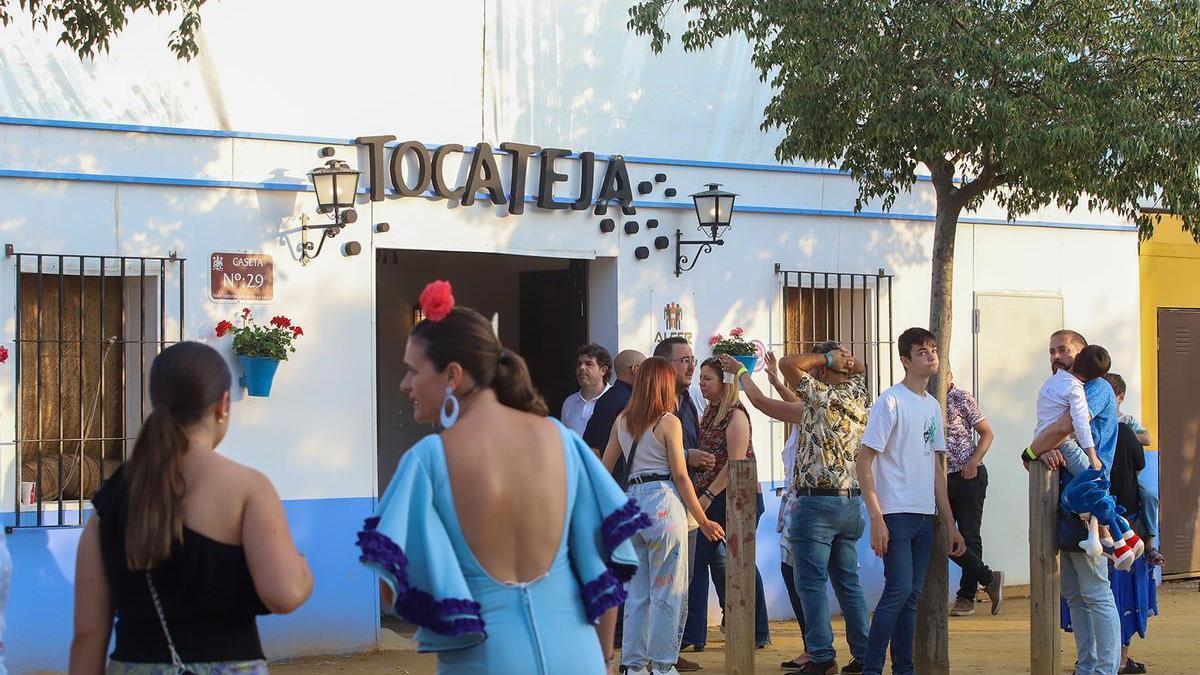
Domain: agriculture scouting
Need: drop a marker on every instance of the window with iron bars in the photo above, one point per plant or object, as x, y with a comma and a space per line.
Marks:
853, 309
87, 329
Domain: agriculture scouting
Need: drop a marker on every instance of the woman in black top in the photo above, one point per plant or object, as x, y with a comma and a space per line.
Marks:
186, 547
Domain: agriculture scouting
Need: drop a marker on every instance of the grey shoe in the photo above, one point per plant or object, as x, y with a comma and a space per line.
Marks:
995, 591
962, 607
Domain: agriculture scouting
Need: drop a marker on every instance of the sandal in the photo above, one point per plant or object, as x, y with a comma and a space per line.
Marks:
797, 662
1154, 557
1132, 666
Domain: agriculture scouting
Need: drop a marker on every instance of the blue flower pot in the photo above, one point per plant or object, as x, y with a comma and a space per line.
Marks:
258, 374
748, 361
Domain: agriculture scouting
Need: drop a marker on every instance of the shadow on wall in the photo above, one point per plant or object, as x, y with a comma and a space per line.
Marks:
39, 626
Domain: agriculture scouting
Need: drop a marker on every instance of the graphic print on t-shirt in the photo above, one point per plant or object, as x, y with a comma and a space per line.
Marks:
930, 434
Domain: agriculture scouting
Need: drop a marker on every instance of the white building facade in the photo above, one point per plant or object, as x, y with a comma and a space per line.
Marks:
122, 177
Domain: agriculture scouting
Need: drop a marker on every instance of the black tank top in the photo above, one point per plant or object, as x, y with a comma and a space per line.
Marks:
205, 588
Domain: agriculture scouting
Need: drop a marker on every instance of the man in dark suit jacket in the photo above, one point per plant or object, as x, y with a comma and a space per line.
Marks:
611, 404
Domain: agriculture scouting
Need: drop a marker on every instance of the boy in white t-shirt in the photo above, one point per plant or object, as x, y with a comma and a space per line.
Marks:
902, 473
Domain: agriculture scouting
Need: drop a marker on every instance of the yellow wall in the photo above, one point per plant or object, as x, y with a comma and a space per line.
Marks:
1170, 277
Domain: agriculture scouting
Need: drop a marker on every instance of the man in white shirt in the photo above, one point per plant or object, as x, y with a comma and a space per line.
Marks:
902, 473
593, 363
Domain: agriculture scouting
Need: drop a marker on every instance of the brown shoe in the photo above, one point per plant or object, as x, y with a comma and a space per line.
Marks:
962, 607
995, 591
685, 666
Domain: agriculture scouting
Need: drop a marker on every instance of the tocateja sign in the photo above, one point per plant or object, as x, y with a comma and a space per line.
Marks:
484, 174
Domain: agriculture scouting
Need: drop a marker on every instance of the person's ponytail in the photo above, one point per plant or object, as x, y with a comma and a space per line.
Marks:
514, 387
156, 489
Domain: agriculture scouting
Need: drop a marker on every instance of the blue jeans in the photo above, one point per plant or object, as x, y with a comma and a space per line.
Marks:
1094, 619
824, 534
910, 543
1149, 512
710, 561
657, 598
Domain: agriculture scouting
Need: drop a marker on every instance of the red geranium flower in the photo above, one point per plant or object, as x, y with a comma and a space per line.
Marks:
712, 341
297, 331
222, 328
737, 332
437, 300
246, 313
3, 354
281, 322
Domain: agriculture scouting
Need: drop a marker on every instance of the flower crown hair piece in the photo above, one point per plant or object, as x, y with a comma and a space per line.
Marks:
437, 300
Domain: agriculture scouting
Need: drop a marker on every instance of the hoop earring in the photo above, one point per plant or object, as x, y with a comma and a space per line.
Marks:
448, 419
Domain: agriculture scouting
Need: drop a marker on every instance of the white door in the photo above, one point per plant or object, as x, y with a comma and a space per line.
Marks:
1011, 361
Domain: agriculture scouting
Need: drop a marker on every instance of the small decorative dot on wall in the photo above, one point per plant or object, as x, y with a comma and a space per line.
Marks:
660, 178
661, 243
645, 187
383, 227
670, 192
652, 223
641, 253
607, 225
631, 227
629, 210
600, 209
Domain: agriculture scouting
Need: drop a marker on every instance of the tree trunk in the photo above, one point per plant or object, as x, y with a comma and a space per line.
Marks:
932, 643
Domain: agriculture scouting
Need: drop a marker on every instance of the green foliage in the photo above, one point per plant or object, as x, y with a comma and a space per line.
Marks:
1032, 102
89, 25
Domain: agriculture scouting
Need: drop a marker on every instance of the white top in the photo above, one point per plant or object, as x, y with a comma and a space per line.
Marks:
790, 447
577, 410
1061, 392
905, 428
651, 453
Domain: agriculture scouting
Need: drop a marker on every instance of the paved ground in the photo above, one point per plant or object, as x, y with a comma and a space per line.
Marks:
979, 644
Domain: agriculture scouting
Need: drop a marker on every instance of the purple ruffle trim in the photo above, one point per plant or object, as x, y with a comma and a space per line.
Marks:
602, 594
619, 526
452, 616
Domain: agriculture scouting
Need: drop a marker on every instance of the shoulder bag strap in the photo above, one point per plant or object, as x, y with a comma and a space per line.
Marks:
176, 662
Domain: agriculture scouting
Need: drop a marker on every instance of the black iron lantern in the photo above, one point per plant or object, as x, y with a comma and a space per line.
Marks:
336, 185
714, 211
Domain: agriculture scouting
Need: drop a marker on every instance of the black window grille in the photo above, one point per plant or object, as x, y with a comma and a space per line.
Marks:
854, 309
87, 329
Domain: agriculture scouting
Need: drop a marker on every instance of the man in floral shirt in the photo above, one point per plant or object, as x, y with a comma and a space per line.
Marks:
966, 486
827, 519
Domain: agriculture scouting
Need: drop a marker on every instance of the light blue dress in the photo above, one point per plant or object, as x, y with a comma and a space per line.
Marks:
475, 623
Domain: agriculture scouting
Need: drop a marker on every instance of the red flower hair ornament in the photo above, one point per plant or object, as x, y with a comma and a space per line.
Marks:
437, 300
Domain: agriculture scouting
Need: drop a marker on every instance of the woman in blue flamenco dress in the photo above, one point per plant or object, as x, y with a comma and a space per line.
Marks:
503, 538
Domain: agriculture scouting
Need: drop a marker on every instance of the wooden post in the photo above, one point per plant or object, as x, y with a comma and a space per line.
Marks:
741, 520
1044, 630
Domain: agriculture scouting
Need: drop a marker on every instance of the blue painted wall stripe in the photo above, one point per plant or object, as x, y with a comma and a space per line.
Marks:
745, 208
340, 617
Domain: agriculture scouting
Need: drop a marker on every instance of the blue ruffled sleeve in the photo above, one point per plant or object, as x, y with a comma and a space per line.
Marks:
602, 521
407, 545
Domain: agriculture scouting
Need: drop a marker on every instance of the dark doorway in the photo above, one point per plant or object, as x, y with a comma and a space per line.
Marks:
553, 325
537, 305
1179, 438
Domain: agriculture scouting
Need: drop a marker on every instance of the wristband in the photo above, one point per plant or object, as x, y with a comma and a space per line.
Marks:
708, 494
741, 371
1028, 454
828, 359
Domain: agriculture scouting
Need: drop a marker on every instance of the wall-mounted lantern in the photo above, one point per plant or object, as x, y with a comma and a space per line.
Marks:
336, 185
714, 211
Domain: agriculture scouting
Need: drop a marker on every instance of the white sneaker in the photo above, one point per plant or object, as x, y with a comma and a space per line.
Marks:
672, 671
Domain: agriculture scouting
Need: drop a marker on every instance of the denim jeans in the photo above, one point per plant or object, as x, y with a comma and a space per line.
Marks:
966, 503
1149, 496
1077, 459
5, 582
789, 581
710, 561
658, 591
1094, 619
910, 543
824, 533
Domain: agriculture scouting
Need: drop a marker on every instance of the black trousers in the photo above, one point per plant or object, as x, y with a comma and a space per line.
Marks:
966, 501
789, 580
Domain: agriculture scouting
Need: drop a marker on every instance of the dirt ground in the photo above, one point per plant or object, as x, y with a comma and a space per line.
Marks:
979, 644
